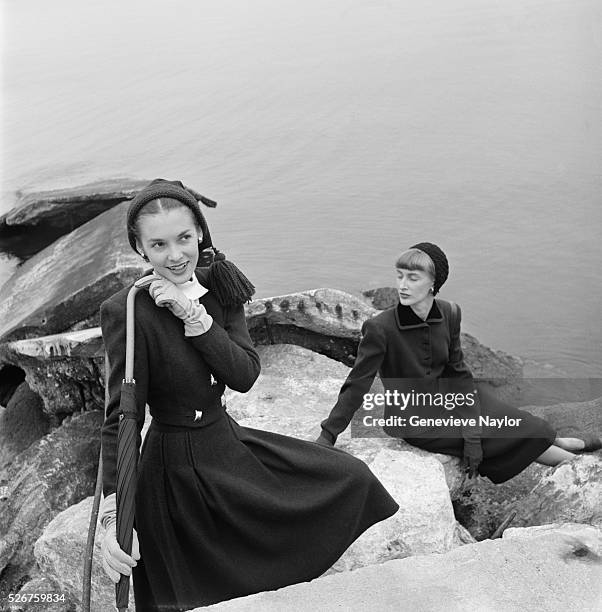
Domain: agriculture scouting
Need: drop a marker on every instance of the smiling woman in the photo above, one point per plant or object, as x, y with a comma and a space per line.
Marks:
214, 512
167, 236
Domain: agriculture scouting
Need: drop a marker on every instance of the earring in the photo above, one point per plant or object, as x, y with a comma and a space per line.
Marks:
432, 290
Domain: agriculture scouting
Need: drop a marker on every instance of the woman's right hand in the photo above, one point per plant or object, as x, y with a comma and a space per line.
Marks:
114, 560
167, 294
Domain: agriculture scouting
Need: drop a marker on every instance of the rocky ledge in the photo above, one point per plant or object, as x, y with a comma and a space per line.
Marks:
39, 218
45, 521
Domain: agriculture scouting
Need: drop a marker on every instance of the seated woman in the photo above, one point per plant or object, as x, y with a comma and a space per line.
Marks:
221, 510
419, 340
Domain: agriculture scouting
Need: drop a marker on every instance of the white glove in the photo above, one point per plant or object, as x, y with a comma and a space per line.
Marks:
114, 560
165, 293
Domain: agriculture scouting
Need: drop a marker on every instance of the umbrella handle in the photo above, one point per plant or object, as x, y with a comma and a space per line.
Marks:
130, 325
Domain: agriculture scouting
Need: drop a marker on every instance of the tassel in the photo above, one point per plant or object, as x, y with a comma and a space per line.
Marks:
229, 285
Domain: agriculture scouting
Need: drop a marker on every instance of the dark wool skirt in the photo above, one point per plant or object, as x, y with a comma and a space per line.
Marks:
507, 451
224, 511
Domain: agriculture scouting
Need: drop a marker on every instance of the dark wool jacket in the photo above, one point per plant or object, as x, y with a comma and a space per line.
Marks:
397, 344
175, 375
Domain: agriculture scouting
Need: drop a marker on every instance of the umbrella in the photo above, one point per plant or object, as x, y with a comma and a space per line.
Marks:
127, 453
127, 463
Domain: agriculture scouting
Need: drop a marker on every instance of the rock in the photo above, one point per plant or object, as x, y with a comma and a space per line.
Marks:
67, 281
40, 218
366, 449
383, 297
54, 473
482, 506
501, 371
586, 535
569, 493
60, 551
539, 574
65, 370
425, 521
22, 423
572, 419
326, 321
462, 536
294, 392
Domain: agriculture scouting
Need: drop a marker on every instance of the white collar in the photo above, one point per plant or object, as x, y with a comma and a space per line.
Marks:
193, 289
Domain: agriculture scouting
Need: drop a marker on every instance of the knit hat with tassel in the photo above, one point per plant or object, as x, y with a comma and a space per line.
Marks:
229, 285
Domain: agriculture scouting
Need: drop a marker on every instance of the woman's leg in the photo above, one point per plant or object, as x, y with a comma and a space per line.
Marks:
554, 455
570, 444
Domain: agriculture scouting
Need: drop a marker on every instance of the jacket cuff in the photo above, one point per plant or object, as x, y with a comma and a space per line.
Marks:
327, 437
198, 326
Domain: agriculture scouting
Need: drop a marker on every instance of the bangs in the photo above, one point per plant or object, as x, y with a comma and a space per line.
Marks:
415, 259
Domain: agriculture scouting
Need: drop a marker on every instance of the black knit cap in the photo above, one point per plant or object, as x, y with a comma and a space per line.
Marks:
440, 261
160, 188
227, 282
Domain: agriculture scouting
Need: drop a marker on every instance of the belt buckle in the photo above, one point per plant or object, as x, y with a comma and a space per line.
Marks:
198, 415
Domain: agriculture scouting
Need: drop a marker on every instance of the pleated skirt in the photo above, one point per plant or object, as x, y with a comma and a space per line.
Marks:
223, 511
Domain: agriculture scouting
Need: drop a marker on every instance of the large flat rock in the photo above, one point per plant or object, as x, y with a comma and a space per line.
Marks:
66, 282
39, 218
552, 572
425, 521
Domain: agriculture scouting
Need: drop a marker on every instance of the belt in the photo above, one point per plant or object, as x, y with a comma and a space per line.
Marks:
190, 420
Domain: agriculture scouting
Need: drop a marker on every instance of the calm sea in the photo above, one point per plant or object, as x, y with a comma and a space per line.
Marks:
335, 134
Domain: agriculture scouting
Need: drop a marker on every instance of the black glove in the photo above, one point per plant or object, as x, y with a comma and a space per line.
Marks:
473, 455
322, 440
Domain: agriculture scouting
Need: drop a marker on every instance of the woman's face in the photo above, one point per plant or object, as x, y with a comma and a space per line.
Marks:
170, 240
413, 286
